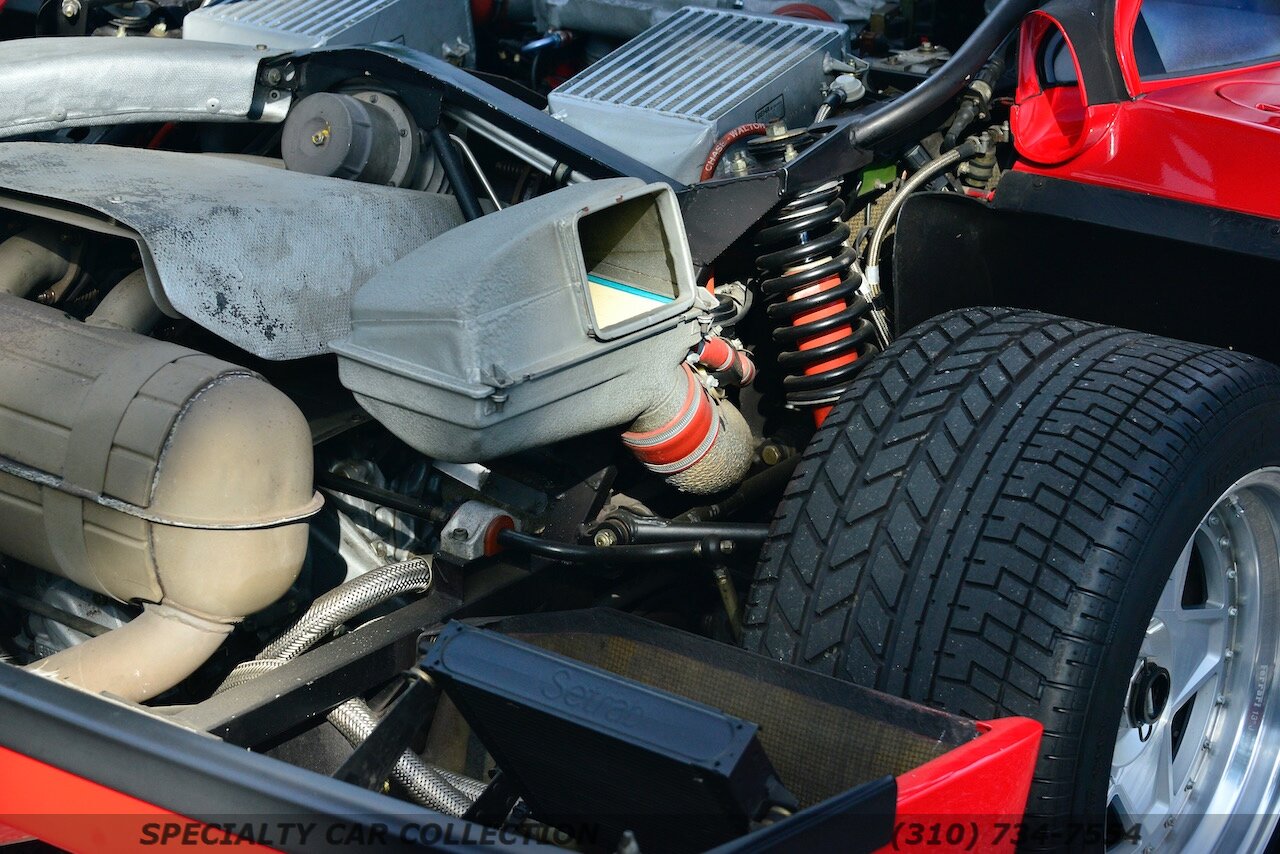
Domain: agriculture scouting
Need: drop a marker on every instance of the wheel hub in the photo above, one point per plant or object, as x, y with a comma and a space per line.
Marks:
1148, 696
1196, 765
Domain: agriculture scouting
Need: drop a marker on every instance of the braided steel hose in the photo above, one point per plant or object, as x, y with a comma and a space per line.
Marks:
426, 784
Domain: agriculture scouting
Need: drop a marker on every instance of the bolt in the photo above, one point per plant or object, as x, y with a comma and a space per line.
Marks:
1224, 542
1231, 573
1206, 744
1231, 653
70, 8
1220, 700
321, 136
459, 533
726, 546
1168, 822
213, 105
1213, 520
772, 454
1232, 611
1190, 785
604, 538
274, 76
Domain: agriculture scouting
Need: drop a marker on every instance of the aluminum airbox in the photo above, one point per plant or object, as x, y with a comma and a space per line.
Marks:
546, 320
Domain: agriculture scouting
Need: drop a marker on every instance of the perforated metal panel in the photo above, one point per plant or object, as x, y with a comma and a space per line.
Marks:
666, 95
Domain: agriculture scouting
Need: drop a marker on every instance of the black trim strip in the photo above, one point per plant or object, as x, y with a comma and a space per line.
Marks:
1142, 213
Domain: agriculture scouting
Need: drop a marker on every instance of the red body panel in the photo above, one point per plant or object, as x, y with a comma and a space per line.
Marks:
80, 815
1211, 139
971, 798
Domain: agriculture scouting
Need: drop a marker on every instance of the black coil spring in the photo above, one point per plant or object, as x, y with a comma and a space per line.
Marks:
807, 231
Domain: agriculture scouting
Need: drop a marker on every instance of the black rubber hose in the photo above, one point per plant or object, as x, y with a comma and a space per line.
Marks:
711, 548
948, 81
457, 173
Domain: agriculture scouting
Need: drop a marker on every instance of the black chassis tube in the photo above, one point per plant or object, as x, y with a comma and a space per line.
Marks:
716, 213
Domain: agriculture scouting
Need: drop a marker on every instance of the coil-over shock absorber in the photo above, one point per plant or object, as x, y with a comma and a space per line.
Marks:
821, 321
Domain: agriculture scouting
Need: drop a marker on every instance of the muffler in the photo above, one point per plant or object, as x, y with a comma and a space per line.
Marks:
153, 474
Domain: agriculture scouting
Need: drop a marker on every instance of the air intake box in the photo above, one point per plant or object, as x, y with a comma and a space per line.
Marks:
549, 319
666, 96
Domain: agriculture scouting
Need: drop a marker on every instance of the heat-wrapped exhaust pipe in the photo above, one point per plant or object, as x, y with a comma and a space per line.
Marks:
699, 443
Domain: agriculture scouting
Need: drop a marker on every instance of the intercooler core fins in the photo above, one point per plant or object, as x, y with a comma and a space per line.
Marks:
586, 748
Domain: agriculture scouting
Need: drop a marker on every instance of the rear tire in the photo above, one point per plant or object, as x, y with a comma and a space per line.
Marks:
987, 523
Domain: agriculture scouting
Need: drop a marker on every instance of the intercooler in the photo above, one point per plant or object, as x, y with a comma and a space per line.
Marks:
665, 97
443, 31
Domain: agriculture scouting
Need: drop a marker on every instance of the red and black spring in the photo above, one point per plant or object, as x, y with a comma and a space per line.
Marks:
821, 321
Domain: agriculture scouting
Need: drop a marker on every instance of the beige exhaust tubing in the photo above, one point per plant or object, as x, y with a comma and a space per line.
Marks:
151, 473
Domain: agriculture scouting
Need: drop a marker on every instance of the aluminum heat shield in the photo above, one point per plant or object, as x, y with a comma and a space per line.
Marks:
52, 83
265, 258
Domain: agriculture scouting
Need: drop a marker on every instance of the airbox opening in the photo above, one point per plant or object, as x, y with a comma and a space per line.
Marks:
630, 265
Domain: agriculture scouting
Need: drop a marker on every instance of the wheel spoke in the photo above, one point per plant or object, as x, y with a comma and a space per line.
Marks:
1144, 787
1171, 597
1193, 648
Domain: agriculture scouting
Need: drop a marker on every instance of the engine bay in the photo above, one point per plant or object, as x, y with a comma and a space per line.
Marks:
488, 348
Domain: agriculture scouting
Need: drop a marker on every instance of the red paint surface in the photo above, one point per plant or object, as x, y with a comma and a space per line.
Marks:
1210, 139
80, 815
976, 792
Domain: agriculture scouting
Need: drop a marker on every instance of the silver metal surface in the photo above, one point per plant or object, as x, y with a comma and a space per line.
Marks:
544, 163
441, 28
475, 167
1204, 776
426, 784
50, 636
465, 534
668, 95
265, 258
52, 83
